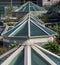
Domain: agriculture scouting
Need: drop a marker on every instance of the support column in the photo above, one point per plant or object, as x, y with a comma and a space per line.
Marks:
27, 56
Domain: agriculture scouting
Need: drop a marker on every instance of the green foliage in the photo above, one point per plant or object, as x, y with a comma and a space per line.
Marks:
10, 20
52, 46
43, 18
10, 23
14, 44
3, 50
56, 28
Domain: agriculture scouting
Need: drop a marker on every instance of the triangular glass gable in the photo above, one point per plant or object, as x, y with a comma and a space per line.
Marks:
48, 30
37, 28
37, 59
18, 60
22, 31
36, 31
29, 6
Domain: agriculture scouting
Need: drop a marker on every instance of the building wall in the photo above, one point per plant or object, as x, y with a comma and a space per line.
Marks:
50, 2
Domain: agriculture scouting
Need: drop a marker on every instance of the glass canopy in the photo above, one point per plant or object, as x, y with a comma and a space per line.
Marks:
29, 26
32, 55
29, 6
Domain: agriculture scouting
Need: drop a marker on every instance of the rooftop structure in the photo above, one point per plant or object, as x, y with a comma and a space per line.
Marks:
29, 28
32, 54
29, 6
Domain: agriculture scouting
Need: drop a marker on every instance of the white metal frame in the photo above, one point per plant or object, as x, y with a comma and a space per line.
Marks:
27, 55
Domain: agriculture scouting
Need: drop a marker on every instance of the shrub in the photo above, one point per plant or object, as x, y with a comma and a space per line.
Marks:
14, 44
52, 46
10, 23
3, 50
43, 18
10, 20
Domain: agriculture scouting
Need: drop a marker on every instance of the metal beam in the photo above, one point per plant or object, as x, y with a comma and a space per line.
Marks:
27, 56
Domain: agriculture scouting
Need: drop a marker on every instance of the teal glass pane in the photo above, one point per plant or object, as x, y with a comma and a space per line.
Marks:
36, 31
37, 59
31, 4
23, 31
18, 60
53, 58
27, 8
48, 30
43, 27
36, 20
32, 8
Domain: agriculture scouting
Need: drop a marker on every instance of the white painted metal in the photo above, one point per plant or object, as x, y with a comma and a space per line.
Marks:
29, 25
18, 51
44, 56
27, 56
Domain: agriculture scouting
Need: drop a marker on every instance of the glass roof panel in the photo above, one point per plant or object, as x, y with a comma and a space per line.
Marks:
37, 59
23, 31
48, 30
36, 31
37, 21
32, 6
55, 59
18, 60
